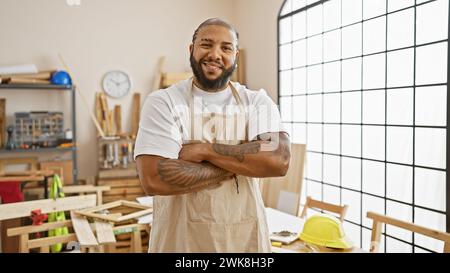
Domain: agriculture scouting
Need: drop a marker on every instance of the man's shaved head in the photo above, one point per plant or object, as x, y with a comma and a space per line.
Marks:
215, 22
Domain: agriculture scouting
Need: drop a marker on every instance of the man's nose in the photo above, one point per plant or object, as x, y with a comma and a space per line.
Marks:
214, 53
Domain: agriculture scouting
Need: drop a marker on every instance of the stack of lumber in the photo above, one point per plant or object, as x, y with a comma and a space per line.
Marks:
121, 189
125, 242
42, 77
111, 120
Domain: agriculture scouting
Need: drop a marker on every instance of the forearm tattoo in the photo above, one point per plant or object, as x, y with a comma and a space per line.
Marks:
278, 141
189, 175
237, 151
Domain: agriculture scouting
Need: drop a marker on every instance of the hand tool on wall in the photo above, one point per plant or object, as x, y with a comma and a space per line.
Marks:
130, 152
124, 155
110, 156
116, 161
105, 157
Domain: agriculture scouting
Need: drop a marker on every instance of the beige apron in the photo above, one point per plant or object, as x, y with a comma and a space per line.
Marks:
228, 217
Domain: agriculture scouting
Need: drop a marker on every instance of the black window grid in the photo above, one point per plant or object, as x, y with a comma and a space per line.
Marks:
386, 125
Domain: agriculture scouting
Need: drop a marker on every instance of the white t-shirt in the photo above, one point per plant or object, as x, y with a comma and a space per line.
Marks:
165, 117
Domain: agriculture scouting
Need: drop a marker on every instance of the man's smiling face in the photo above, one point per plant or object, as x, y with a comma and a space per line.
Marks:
213, 56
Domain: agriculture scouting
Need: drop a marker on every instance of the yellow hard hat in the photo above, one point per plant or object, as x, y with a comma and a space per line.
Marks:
325, 230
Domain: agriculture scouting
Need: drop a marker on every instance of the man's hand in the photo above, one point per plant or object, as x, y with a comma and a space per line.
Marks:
194, 152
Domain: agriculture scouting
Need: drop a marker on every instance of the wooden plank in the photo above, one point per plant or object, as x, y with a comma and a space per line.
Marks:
439, 235
121, 197
129, 172
40, 228
43, 75
47, 241
171, 78
85, 189
136, 242
110, 123
119, 183
135, 215
375, 236
134, 205
124, 191
63, 168
3, 137
23, 241
136, 109
104, 206
30, 178
83, 230
23, 209
291, 182
44, 249
98, 216
104, 231
98, 109
118, 119
75, 189
105, 113
25, 80
158, 74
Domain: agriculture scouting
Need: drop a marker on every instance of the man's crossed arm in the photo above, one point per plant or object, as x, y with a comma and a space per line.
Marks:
205, 164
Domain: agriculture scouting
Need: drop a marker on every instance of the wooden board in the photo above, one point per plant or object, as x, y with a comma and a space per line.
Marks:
104, 231
291, 182
25, 80
63, 168
115, 173
158, 74
118, 119
114, 183
173, 77
9, 244
43, 75
98, 109
3, 136
239, 73
135, 114
124, 191
23, 209
83, 230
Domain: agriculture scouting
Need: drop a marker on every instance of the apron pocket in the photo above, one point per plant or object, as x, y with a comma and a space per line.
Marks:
214, 237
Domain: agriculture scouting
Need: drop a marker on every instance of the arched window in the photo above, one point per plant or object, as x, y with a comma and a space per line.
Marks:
364, 85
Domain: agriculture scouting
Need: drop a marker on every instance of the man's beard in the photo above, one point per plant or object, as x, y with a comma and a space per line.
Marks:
216, 84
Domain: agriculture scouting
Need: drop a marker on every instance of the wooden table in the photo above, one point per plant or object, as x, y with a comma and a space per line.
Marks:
300, 247
289, 222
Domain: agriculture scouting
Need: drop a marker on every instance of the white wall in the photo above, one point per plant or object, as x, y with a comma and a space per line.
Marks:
256, 21
101, 35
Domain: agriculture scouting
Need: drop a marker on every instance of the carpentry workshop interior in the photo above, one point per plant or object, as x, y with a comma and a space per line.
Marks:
360, 89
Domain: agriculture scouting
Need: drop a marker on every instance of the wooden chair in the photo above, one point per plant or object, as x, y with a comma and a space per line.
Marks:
290, 184
26, 242
78, 190
23, 209
43, 244
312, 203
379, 219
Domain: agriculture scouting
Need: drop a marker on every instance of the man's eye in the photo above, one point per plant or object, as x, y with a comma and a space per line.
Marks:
227, 49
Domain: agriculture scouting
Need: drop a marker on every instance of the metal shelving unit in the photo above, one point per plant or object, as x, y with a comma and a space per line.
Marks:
73, 149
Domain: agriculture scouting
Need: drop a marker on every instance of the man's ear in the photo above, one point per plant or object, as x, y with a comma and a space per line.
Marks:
191, 48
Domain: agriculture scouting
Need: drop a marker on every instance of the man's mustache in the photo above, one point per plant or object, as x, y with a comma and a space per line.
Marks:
219, 64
